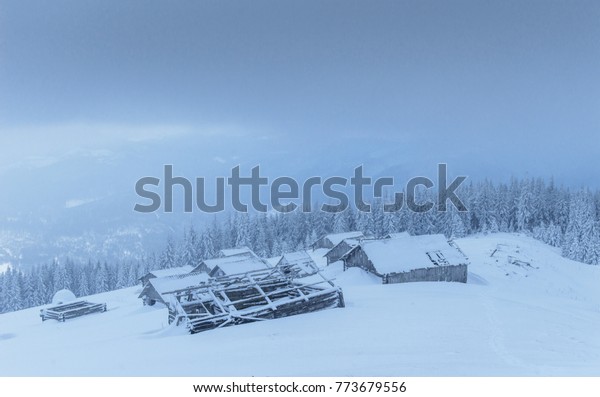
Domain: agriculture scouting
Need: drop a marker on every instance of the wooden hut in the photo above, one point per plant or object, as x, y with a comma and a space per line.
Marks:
234, 265
174, 271
226, 256
410, 258
341, 248
244, 251
330, 240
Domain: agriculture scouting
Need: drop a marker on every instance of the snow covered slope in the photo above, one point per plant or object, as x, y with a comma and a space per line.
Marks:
525, 311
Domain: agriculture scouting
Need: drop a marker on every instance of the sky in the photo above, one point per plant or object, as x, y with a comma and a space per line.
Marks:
505, 86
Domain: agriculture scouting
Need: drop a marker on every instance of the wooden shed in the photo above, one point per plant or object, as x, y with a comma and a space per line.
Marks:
226, 256
341, 248
234, 265
244, 251
330, 240
410, 258
173, 271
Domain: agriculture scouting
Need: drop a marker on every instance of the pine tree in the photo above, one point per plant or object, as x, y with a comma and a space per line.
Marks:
207, 247
457, 228
168, 257
14, 290
102, 278
243, 231
2, 292
525, 207
122, 276
580, 229
60, 277
84, 289
190, 248
27, 290
340, 224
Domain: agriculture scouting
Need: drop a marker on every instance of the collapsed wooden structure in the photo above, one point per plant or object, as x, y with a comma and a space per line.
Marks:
71, 310
297, 264
252, 296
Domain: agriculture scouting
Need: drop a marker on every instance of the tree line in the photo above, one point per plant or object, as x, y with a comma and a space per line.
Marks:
555, 215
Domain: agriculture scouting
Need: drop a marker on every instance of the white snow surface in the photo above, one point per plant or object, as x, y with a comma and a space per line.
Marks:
404, 253
508, 320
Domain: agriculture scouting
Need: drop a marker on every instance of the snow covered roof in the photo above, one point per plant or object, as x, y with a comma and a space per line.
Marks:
164, 285
237, 264
397, 235
236, 251
337, 238
173, 271
411, 252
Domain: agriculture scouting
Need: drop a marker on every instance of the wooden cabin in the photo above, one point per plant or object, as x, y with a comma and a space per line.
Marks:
336, 253
174, 271
238, 254
244, 251
234, 265
331, 240
409, 259
157, 289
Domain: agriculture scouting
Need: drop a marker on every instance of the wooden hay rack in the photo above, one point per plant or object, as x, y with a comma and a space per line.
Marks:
71, 310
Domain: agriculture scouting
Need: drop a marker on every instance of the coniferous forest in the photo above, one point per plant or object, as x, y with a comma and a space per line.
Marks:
564, 218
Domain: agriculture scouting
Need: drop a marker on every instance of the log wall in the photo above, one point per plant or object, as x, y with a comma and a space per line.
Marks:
454, 273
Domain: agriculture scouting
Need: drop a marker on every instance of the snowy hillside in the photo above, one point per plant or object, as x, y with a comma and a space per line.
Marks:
525, 311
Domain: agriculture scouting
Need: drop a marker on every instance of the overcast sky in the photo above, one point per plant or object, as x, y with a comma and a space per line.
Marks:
517, 79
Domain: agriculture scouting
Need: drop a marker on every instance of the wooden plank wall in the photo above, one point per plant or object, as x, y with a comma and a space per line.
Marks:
454, 273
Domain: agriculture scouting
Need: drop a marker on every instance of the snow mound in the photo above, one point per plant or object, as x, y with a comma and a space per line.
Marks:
356, 276
63, 296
